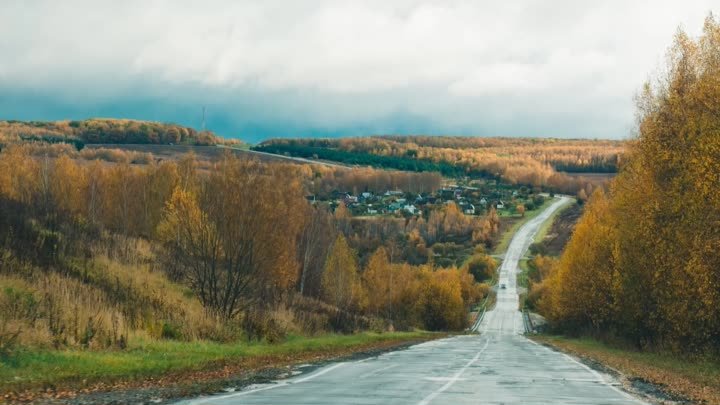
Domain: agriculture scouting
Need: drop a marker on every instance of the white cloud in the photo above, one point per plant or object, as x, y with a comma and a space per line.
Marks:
374, 57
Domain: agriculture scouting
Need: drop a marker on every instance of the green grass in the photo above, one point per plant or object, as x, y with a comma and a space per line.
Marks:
30, 369
502, 246
697, 378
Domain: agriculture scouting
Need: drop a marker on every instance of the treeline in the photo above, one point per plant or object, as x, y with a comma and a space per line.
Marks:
94, 254
643, 263
363, 179
568, 155
298, 149
533, 162
113, 131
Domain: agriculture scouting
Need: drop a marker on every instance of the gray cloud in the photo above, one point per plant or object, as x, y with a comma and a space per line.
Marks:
269, 68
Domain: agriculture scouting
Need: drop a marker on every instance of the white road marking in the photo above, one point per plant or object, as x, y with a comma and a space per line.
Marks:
318, 374
454, 378
266, 388
378, 371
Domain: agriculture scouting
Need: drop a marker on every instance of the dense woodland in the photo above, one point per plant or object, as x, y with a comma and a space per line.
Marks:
532, 162
111, 131
94, 254
643, 264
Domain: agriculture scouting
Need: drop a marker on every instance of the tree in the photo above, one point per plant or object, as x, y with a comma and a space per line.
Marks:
227, 245
341, 282
643, 261
521, 210
442, 306
482, 267
315, 239
378, 278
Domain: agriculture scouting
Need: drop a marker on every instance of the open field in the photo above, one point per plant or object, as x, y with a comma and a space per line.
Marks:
175, 152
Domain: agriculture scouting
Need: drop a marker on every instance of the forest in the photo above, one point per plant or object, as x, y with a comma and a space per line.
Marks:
97, 254
642, 264
552, 164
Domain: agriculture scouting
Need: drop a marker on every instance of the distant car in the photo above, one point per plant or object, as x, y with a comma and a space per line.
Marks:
502, 286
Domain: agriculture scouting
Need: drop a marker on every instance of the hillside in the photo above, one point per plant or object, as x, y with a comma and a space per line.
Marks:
105, 131
564, 165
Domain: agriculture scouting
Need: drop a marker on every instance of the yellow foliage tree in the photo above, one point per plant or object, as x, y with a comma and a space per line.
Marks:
341, 282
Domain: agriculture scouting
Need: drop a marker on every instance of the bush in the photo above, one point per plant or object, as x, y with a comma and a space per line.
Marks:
170, 331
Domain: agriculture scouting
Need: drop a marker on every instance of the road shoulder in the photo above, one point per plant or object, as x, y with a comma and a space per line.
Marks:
657, 378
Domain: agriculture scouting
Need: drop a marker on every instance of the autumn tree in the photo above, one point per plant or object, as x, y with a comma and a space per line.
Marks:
315, 239
378, 278
441, 303
227, 245
482, 267
643, 260
341, 281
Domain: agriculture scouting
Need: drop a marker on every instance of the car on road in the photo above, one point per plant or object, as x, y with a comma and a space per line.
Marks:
502, 286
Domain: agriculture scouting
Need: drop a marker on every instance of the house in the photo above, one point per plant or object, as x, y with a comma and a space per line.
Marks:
393, 192
483, 201
410, 208
470, 209
393, 207
366, 195
371, 210
350, 199
500, 205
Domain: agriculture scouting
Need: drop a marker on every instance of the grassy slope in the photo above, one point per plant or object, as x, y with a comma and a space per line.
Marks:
695, 379
71, 368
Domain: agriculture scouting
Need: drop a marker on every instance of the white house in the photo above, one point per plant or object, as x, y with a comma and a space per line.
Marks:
410, 208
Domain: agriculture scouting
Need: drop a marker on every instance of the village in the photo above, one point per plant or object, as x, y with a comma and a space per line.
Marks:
475, 198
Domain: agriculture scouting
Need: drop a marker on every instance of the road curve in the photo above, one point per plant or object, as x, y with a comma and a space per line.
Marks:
499, 366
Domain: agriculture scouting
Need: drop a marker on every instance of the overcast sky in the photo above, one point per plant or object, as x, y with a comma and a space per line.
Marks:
271, 68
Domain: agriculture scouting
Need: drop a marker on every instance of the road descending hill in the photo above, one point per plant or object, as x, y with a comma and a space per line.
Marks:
498, 366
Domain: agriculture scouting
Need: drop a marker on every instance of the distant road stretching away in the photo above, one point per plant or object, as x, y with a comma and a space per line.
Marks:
499, 366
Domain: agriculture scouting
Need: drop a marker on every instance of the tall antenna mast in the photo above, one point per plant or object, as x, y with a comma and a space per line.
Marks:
203, 120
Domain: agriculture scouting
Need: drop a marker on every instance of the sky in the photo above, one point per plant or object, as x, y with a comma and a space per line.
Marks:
296, 68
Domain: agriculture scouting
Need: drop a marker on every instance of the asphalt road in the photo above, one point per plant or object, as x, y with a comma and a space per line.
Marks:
499, 366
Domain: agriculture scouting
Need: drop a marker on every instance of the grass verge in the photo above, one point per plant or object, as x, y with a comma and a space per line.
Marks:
697, 379
72, 369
